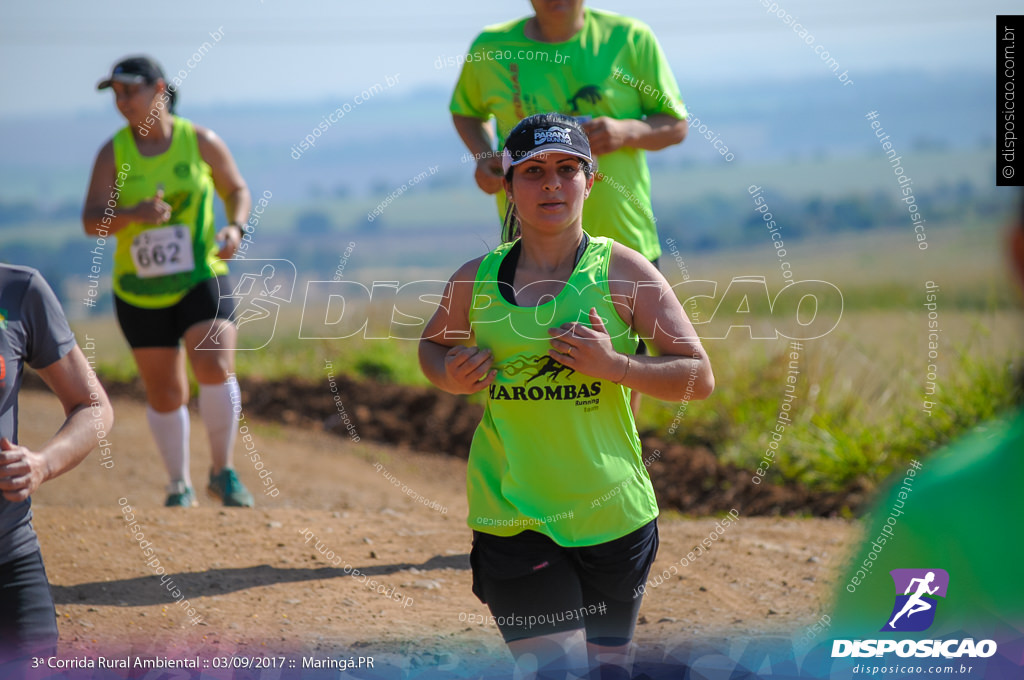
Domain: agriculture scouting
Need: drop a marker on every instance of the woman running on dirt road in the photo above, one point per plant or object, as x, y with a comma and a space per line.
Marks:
562, 507
152, 185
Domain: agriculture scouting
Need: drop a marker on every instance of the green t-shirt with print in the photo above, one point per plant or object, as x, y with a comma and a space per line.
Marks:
613, 67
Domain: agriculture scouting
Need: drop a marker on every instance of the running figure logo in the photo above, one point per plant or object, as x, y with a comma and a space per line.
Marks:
587, 93
544, 366
914, 610
263, 287
552, 369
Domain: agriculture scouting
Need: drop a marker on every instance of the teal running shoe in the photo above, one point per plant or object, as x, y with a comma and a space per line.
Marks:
227, 488
180, 496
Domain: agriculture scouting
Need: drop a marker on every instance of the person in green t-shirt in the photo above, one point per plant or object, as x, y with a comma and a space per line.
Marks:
152, 187
562, 507
606, 70
958, 510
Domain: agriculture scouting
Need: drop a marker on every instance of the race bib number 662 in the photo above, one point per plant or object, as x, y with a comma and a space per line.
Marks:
163, 251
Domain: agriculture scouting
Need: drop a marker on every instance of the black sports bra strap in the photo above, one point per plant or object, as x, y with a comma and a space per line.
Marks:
507, 268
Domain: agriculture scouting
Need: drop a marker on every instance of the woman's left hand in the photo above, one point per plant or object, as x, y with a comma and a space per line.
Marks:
587, 350
231, 237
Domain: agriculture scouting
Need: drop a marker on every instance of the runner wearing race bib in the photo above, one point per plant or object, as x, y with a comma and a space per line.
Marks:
156, 265
152, 186
562, 507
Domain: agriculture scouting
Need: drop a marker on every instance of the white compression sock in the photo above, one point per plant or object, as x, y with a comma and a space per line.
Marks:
171, 432
217, 409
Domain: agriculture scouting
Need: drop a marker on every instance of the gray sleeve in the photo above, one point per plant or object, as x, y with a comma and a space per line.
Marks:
48, 336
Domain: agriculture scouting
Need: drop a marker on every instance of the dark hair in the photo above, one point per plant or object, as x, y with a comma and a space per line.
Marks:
147, 68
170, 92
172, 96
510, 225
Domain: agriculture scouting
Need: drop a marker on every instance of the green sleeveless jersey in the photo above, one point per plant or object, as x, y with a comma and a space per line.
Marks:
156, 265
556, 451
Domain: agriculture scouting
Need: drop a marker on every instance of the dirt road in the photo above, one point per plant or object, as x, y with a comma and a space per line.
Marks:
281, 577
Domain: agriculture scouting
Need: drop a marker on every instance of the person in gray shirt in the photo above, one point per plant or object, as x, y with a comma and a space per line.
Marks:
34, 331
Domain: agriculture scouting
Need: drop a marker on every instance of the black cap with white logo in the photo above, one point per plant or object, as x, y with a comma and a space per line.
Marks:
541, 133
131, 71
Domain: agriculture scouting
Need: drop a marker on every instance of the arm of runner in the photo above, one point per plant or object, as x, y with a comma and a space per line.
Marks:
87, 410
478, 136
653, 133
445, 356
99, 218
230, 186
681, 370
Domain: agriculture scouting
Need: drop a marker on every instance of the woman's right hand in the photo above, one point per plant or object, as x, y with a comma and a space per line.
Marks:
469, 368
153, 210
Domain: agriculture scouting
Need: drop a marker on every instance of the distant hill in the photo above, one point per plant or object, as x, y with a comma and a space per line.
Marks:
379, 144
809, 146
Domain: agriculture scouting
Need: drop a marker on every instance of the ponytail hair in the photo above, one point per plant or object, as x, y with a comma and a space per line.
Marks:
510, 225
172, 97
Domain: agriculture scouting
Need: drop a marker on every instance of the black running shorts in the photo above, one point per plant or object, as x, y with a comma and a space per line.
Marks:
165, 327
533, 586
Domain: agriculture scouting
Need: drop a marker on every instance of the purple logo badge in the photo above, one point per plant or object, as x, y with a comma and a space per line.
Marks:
916, 590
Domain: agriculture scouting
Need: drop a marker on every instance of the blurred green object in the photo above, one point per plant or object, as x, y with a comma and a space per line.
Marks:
962, 514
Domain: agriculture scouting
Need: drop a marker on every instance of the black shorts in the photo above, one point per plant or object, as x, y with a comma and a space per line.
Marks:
165, 327
28, 621
533, 586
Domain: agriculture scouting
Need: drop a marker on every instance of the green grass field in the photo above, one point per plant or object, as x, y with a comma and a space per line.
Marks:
860, 411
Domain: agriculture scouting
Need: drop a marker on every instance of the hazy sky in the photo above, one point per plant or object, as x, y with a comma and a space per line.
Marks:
53, 53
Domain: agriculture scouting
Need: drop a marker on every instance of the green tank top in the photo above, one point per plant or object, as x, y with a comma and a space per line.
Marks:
557, 451
156, 265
